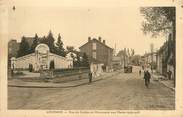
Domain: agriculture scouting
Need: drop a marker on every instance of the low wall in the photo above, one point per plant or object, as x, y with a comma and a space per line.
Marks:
65, 75
70, 78
56, 79
69, 72
59, 75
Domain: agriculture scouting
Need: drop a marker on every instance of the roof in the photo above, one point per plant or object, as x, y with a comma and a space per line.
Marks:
97, 42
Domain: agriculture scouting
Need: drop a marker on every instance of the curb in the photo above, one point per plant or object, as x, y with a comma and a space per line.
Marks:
173, 89
21, 86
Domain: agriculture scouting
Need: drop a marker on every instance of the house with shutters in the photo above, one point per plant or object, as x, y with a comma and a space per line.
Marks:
98, 52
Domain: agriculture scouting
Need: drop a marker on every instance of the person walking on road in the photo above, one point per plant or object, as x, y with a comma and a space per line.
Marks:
90, 76
147, 77
140, 72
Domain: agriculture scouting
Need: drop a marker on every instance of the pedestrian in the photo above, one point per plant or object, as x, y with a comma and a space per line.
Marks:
147, 77
90, 76
169, 74
140, 72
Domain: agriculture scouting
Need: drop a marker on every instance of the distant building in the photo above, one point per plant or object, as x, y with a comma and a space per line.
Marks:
150, 58
13, 47
98, 52
117, 62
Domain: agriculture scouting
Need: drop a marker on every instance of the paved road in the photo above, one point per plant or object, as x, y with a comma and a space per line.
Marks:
123, 91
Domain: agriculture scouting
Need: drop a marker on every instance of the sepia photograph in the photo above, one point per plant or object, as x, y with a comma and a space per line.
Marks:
91, 57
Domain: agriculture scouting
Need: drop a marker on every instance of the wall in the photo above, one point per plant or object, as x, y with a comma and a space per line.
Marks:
88, 50
23, 62
60, 62
102, 53
96, 69
159, 63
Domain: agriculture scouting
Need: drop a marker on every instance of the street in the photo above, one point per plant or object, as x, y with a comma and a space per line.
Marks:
124, 91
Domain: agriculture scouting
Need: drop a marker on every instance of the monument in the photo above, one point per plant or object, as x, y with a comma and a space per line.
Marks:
41, 59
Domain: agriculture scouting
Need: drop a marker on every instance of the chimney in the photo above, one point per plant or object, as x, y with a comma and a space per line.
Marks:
89, 39
99, 38
103, 41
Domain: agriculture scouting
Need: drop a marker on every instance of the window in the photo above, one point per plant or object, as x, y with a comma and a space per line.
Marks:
94, 46
94, 55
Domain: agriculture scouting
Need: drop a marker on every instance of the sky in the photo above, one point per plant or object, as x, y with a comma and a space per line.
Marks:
118, 25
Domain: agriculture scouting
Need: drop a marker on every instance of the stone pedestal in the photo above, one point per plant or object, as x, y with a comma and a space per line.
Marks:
46, 74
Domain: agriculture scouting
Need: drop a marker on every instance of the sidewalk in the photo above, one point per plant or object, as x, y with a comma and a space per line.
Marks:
163, 80
20, 83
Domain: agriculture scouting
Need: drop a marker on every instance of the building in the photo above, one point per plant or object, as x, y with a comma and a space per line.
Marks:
117, 62
41, 59
149, 59
13, 47
166, 58
98, 52
161, 65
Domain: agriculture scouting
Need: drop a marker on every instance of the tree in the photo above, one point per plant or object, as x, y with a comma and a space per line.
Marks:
35, 43
135, 59
126, 54
78, 62
44, 40
85, 61
50, 42
59, 43
24, 48
123, 55
132, 52
160, 20
59, 47
70, 48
